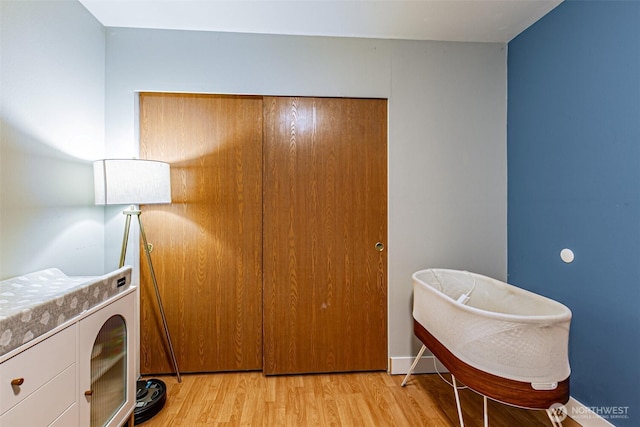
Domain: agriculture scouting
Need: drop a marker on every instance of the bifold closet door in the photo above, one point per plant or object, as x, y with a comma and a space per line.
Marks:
208, 242
325, 224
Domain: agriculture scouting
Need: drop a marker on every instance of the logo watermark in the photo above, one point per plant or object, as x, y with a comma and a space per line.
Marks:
560, 412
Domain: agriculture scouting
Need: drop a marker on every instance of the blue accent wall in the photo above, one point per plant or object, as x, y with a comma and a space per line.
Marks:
573, 153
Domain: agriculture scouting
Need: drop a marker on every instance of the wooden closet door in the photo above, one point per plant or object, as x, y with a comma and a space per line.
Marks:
325, 208
208, 242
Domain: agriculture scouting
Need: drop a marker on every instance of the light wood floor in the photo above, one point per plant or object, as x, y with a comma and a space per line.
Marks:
358, 399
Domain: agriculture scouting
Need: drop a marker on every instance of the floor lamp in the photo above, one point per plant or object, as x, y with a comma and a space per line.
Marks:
135, 182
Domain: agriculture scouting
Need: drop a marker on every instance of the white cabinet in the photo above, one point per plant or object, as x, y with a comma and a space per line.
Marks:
81, 374
105, 362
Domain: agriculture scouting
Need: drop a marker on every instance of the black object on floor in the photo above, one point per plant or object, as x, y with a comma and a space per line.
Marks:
151, 396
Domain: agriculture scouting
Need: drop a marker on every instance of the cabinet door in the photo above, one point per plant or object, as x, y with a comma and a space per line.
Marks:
105, 363
325, 219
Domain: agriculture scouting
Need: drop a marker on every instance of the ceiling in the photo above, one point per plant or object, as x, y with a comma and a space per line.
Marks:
451, 20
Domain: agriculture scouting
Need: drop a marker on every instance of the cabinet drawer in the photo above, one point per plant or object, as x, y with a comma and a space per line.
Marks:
45, 405
36, 366
68, 419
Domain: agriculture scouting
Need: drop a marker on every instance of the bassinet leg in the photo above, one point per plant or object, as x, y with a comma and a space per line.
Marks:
413, 366
553, 416
455, 391
485, 411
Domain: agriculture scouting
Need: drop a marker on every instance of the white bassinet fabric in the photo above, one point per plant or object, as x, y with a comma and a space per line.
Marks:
502, 329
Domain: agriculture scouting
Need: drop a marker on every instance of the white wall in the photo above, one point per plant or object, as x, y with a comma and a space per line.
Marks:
447, 168
52, 123
447, 131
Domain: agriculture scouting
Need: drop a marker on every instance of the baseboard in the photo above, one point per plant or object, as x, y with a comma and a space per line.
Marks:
586, 417
582, 414
401, 365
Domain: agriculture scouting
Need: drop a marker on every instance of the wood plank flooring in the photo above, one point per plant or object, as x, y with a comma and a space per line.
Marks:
358, 399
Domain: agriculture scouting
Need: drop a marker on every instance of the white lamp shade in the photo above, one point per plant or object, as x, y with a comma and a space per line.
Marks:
131, 182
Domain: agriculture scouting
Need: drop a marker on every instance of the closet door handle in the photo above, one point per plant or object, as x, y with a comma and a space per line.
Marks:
379, 246
17, 381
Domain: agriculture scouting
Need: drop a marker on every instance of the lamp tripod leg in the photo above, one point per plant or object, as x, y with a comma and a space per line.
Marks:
125, 239
160, 306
